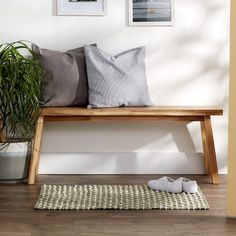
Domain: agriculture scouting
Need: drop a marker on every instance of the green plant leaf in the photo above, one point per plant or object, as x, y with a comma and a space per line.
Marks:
20, 83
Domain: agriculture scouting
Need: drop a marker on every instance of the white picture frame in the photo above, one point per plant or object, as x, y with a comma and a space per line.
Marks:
137, 13
81, 8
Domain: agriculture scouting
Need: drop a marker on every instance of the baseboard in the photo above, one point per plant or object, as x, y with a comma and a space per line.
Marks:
121, 163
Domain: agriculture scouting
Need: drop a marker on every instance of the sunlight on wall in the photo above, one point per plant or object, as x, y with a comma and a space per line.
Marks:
187, 64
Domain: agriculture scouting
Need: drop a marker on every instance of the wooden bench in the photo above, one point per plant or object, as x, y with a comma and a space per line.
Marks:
201, 114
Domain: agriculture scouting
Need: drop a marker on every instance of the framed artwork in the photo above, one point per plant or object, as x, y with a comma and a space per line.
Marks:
81, 7
151, 12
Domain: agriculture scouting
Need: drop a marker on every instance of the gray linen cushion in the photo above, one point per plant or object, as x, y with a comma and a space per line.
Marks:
117, 80
65, 80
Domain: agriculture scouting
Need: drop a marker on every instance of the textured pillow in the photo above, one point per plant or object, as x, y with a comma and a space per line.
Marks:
117, 80
65, 81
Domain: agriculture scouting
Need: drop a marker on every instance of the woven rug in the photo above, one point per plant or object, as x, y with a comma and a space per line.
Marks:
120, 197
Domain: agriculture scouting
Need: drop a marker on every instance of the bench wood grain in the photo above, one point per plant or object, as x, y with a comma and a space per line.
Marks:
146, 114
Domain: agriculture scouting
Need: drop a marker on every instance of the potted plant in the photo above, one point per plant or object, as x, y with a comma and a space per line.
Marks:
20, 82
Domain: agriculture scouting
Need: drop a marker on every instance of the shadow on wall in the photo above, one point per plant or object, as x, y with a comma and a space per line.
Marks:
113, 137
54, 7
199, 54
107, 147
197, 57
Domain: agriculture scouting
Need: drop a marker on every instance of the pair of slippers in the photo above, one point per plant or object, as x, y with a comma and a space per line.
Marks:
167, 184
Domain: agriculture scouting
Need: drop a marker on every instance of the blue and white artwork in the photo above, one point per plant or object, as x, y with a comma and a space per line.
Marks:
81, 7
151, 11
82, 0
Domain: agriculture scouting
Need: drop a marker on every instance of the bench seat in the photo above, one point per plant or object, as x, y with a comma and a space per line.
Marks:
133, 111
154, 114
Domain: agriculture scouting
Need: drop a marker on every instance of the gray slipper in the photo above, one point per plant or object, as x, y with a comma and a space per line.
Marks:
188, 186
166, 184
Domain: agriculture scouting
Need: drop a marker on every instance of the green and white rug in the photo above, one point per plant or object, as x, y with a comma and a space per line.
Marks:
120, 197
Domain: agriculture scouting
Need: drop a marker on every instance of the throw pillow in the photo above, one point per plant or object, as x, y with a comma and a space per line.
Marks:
117, 80
65, 80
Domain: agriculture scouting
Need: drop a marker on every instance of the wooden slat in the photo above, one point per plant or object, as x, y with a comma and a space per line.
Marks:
133, 111
36, 151
2, 134
205, 148
123, 118
211, 150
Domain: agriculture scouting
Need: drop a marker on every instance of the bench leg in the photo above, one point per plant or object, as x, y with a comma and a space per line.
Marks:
36, 151
205, 148
2, 135
209, 150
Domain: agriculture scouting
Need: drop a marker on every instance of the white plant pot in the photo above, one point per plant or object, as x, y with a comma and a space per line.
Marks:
14, 161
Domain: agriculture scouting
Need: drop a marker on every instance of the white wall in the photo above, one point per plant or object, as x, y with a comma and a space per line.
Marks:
187, 64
